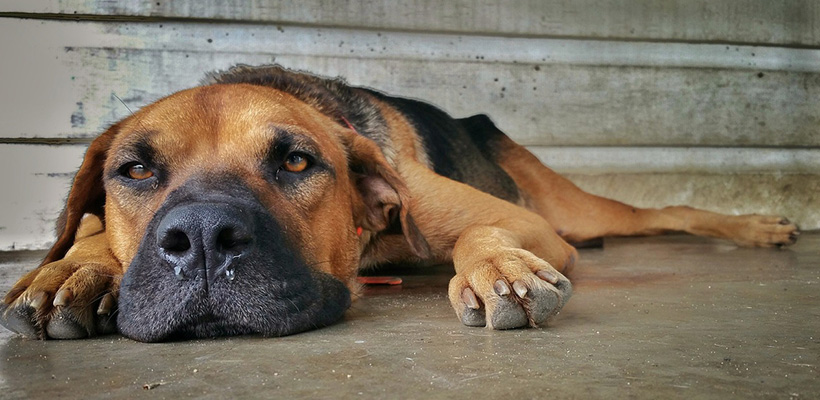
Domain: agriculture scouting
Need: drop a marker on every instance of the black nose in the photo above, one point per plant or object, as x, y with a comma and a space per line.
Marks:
204, 240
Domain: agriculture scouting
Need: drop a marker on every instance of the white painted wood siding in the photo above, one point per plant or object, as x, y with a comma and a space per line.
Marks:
710, 103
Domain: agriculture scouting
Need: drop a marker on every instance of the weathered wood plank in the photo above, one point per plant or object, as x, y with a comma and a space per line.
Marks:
555, 92
35, 181
788, 22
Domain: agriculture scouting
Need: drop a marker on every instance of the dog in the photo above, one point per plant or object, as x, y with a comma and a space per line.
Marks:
248, 205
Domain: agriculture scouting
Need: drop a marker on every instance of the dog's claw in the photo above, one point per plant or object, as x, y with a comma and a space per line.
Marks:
38, 300
501, 288
106, 305
547, 276
520, 289
469, 299
473, 314
62, 298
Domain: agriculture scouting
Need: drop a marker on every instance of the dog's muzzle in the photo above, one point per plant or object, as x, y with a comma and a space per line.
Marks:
219, 264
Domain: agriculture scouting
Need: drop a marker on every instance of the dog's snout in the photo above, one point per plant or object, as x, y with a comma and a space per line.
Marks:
204, 240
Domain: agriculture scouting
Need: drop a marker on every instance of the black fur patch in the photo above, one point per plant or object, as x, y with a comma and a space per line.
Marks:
464, 150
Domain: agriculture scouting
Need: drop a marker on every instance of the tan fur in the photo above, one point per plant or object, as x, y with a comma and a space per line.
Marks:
496, 246
581, 216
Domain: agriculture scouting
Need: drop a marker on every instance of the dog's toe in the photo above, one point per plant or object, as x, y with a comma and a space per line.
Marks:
19, 319
508, 314
472, 310
541, 300
472, 317
64, 325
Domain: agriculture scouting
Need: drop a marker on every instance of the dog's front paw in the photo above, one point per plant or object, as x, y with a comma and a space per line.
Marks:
508, 288
63, 300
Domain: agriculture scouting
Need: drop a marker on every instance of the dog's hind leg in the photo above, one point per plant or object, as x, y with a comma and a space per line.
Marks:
579, 216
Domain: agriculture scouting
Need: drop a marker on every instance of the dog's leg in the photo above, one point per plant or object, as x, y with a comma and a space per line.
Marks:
70, 298
508, 260
581, 216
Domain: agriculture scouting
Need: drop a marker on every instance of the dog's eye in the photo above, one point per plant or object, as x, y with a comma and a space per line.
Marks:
296, 162
138, 172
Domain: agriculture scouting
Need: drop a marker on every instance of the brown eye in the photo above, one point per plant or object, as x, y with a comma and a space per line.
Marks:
296, 163
139, 172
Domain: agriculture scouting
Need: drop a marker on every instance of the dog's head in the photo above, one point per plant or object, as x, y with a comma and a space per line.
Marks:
235, 209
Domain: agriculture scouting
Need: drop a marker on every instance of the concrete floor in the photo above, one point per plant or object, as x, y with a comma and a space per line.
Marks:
667, 317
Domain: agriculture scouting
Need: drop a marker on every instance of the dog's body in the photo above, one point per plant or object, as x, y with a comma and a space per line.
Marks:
248, 205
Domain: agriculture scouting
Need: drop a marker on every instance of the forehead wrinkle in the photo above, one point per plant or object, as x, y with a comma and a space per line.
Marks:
210, 101
131, 142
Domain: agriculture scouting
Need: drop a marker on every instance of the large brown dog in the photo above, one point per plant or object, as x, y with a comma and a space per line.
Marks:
249, 204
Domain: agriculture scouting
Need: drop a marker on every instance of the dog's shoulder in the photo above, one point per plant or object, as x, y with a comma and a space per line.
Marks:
467, 150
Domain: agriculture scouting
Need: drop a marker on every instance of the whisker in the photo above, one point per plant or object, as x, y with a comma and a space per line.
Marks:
123, 103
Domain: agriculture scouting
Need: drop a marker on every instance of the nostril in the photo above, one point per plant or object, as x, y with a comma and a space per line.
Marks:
232, 240
204, 240
175, 241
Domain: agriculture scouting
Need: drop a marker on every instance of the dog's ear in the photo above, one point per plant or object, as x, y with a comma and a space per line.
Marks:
87, 195
384, 196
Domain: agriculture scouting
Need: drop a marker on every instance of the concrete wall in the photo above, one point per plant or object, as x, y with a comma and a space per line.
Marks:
704, 102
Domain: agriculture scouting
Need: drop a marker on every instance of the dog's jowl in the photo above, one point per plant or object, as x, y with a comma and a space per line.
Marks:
248, 205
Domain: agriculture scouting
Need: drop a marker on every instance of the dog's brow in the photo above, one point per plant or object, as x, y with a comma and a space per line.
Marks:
290, 138
138, 148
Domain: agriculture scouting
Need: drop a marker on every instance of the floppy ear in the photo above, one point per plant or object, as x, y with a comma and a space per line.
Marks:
87, 195
384, 196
